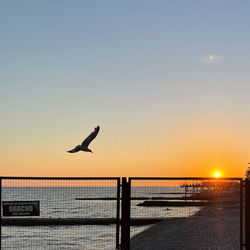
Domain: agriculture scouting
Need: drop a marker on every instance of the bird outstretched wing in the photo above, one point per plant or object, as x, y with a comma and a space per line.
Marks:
91, 137
74, 150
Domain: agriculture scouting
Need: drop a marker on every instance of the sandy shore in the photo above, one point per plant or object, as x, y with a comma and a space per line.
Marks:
215, 226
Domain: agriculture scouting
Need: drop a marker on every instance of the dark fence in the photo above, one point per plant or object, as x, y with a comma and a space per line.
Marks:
156, 213
193, 213
60, 213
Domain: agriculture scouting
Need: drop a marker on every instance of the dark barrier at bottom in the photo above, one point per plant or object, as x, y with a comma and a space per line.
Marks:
156, 213
196, 213
62, 213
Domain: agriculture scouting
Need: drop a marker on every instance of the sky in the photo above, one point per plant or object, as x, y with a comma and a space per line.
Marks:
167, 81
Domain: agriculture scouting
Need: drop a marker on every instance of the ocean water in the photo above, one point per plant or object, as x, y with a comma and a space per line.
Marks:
60, 202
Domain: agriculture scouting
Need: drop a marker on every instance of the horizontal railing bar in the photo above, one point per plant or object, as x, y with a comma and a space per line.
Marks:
116, 178
57, 178
185, 178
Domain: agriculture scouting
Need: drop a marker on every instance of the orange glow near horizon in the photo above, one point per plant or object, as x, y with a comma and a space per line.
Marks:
193, 150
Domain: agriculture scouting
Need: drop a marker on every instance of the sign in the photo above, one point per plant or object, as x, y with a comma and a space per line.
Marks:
21, 208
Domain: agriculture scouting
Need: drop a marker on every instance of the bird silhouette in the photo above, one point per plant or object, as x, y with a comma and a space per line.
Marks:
86, 142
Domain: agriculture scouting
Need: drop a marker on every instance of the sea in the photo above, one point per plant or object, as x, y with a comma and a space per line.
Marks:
63, 202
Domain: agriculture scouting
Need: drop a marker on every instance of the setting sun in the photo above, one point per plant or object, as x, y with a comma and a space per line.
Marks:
217, 175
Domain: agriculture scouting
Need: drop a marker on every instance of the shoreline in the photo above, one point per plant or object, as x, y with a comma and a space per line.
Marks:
214, 226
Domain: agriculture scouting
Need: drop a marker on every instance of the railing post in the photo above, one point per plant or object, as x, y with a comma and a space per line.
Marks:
247, 213
125, 220
0, 213
241, 214
118, 214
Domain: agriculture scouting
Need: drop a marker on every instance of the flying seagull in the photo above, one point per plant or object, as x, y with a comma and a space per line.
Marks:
86, 142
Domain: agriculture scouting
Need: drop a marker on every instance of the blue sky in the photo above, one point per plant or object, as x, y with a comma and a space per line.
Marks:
136, 68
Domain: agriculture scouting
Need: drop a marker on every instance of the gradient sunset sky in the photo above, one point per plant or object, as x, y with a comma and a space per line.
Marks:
167, 81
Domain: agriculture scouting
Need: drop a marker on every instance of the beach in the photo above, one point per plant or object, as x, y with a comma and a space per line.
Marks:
215, 226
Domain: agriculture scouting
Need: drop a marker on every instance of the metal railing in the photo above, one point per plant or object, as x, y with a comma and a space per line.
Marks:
156, 213
71, 213
193, 213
